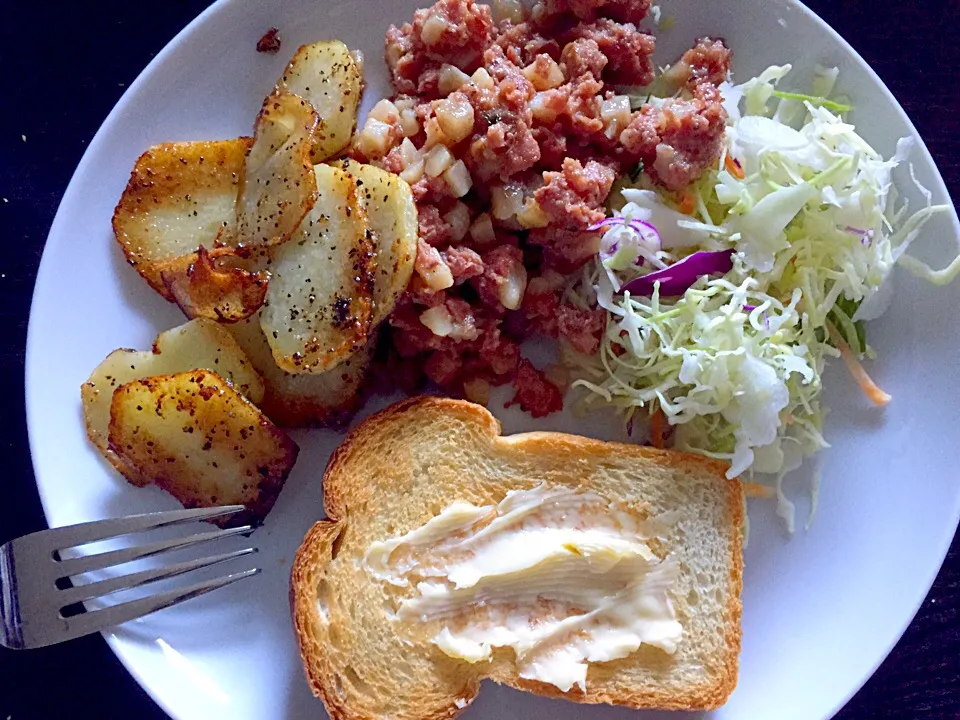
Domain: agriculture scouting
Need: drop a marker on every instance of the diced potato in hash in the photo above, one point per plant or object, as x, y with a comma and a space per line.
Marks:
277, 188
326, 76
180, 196
327, 399
392, 216
204, 286
195, 436
320, 298
198, 344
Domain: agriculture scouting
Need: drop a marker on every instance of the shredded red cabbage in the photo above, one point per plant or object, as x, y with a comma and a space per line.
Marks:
675, 279
646, 230
866, 236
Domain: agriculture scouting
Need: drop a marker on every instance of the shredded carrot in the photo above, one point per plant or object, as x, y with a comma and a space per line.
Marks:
733, 167
658, 429
688, 203
876, 395
756, 490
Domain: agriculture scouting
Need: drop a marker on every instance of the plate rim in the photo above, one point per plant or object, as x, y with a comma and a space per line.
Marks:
116, 643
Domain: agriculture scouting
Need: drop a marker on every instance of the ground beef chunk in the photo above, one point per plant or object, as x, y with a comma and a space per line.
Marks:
550, 104
535, 394
521, 43
506, 148
582, 57
628, 50
455, 31
393, 161
573, 111
463, 262
514, 90
501, 355
428, 81
463, 319
443, 366
546, 12
627, 11
430, 190
574, 197
270, 42
475, 347
405, 58
678, 140
582, 111
410, 336
503, 142
451, 31
541, 302
706, 62
565, 250
642, 135
541, 312
583, 329
502, 265
419, 293
633, 11
434, 230
553, 145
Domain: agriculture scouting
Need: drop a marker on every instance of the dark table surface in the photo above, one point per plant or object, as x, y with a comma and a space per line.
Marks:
64, 67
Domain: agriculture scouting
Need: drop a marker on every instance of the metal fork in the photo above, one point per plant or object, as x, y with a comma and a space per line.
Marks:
35, 599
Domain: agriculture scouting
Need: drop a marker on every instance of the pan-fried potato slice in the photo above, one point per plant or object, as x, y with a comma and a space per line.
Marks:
277, 187
327, 399
180, 196
320, 299
392, 216
200, 440
326, 76
205, 287
196, 344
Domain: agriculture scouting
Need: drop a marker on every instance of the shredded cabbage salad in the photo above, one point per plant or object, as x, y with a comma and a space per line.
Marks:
796, 232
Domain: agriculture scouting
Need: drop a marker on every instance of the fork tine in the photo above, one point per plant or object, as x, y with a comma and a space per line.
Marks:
116, 614
78, 593
76, 566
73, 535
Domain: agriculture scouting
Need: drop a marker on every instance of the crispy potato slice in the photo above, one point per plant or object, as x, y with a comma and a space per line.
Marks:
327, 399
277, 187
196, 344
205, 287
392, 216
196, 437
326, 75
320, 299
180, 196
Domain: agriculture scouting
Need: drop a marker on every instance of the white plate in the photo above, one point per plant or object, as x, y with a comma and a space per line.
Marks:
821, 609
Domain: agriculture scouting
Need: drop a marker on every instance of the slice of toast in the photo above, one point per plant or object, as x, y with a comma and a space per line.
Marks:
405, 465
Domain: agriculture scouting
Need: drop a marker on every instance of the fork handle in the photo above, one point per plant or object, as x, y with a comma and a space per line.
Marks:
11, 624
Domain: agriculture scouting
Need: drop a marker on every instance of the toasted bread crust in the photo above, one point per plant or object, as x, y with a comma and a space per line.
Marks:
343, 492
337, 494
315, 549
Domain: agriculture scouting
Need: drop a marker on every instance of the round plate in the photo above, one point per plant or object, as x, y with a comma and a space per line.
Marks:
821, 608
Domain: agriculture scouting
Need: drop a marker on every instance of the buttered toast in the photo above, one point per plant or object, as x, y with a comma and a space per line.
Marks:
418, 584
